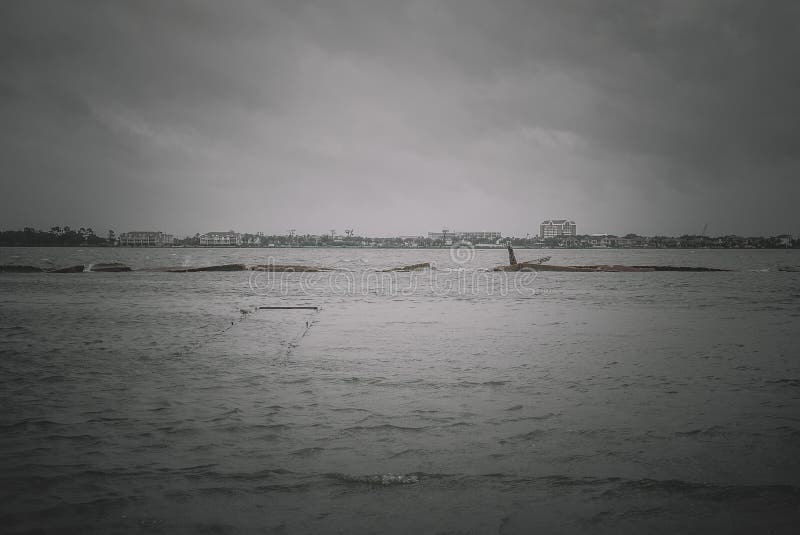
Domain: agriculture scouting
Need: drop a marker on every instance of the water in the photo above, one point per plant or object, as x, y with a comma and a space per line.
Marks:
449, 401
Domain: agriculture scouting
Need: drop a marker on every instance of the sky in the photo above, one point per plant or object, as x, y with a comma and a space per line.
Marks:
401, 117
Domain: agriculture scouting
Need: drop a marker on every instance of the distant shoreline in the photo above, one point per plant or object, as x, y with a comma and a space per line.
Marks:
260, 247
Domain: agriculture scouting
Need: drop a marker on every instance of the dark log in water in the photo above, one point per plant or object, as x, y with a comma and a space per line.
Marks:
679, 268
286, 268
412, 267
112, 267
280, 268
68, 269
223, 267
289, 308
530, 266
19, 269
34, 269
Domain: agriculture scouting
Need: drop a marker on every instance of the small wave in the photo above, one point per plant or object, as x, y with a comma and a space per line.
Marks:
364, 380
637, 512
524, 437
384, 480
283, 487
403, 453
460, 424
301, 381
31, 425
712, 431
307, 452
72, 437
236, 476
787, 382
384, 427
482, 383
537, 418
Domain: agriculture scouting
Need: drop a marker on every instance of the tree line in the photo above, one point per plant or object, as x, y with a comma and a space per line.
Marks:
56, 236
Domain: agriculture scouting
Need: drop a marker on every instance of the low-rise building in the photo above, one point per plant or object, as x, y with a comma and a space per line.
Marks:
221, 239
145, 239
465, 235
603, 240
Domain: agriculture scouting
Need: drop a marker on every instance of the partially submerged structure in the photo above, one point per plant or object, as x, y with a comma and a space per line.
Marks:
540, 265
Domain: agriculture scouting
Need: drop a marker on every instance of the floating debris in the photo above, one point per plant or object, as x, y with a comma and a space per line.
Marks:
68, 269
112, 267
19, 269
286, 268
412, 267
301, 307
223, 267
540, 265
531, 266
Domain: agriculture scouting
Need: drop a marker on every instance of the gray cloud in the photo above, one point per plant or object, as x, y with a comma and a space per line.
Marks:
400, 117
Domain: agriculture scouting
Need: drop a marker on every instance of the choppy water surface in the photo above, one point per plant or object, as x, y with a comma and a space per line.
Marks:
451, 401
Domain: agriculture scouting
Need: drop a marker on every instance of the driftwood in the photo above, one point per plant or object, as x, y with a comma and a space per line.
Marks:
539, 265
68, 269
679, 268
289, 308
529, 266
286, 268
19, 269
34, 269
412, 267
112, 267
223, 267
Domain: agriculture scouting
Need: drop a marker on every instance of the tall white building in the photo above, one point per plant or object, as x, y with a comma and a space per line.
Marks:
553, 228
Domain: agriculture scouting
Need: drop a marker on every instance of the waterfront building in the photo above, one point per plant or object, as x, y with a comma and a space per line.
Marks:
553, 228
463, 235
145, 239
603, 240
229, 238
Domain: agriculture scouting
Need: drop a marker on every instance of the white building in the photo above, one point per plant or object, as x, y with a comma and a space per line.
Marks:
229, 238
145, 239
553, 228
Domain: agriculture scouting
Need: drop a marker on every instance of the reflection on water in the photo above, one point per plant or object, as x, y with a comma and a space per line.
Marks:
609, 402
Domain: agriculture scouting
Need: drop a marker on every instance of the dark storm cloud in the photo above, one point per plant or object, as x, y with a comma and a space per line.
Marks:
400, 117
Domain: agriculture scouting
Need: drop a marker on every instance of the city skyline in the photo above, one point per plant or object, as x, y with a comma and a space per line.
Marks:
560, 230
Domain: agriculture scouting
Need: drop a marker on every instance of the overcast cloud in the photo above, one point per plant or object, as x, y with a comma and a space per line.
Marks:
401, 117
